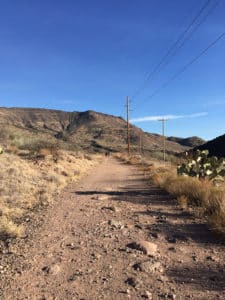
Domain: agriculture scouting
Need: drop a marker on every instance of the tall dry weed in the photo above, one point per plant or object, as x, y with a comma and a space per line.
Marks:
209, 200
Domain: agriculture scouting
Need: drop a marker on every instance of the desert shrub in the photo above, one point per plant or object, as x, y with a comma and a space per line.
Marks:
38, 148
8, 229
201, 194
214, 209
196, 191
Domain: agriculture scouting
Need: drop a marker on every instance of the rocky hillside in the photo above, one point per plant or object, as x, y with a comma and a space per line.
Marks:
83, 130
216, 146
192, 142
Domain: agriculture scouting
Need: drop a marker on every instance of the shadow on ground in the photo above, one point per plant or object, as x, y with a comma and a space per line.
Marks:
176, 226
163, 208
200, 276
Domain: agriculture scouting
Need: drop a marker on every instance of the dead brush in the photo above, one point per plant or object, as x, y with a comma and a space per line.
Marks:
207, 200
26, 185
215, 201
195, 190
8, 229
157, 179
215, 210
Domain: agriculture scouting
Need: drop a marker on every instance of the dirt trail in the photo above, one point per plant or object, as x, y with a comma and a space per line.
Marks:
80, 251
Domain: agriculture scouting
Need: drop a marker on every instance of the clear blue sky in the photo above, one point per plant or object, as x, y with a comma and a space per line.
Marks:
90, 54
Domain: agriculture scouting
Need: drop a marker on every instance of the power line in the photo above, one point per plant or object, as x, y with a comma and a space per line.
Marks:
184, 68
174, 48
188, 37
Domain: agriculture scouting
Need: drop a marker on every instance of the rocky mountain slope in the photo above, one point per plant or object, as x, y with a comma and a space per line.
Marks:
193, 141
216, 146
83, 130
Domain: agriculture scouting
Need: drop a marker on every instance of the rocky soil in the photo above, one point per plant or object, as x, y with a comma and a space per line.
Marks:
113, 236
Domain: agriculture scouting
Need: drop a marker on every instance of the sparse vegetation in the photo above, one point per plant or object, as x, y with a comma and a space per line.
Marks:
203, 196
203, 167
29, 183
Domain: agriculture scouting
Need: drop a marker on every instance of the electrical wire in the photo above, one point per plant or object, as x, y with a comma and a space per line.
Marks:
185, 67
175, 46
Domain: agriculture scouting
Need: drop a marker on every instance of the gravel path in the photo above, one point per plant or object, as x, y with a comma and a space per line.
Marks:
92, 245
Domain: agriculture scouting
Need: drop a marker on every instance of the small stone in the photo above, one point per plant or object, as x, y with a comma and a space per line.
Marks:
138, 226
162, 278
212, 258
171, 240
194, 257
116, 224
102, 198
72, 246
172, 249
151, 267
155, 235
72, 277
96, 256
148, 295
171, 296
148, 248
112, 208
131, 281
52, 270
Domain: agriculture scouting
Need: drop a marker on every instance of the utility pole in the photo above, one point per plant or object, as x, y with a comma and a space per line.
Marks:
164, 138
128, 125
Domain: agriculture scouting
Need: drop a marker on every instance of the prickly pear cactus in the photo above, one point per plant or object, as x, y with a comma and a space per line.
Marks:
202, 166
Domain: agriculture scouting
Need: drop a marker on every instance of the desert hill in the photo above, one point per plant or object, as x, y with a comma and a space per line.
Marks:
216, 146
193, 141
83, 130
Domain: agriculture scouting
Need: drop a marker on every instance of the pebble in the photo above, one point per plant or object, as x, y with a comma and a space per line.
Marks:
52, 270
151, 267
112, 208
131, 281
146, 247
116, 224
194, 257
148, 295
173, 249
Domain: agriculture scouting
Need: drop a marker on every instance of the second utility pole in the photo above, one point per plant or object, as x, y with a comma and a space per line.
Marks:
164, 138
128, 125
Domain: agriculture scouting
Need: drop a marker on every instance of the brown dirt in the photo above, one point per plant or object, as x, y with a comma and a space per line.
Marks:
78, 248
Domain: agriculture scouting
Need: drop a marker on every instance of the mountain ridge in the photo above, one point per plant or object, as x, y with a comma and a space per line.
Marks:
84, 129
216, 147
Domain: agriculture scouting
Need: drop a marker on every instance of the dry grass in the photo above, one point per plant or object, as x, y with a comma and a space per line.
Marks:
207, 200
26, 184
183, 201
9, 229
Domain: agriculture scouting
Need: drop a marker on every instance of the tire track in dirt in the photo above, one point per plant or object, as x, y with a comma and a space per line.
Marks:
81, 250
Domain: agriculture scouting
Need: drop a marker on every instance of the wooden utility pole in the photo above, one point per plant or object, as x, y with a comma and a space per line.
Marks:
128, 125
164, 138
